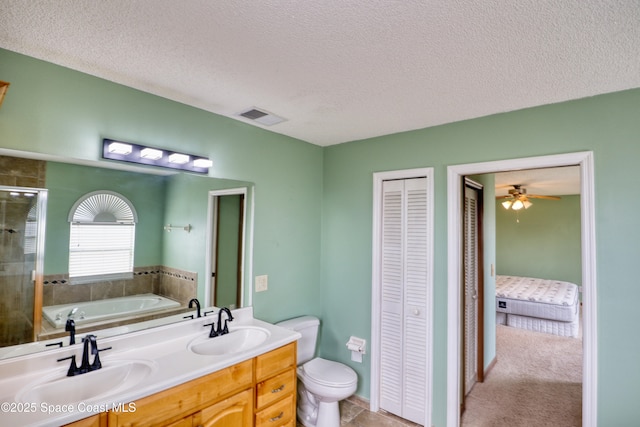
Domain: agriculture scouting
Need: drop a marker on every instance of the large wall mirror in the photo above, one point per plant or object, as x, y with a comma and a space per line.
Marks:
193, 239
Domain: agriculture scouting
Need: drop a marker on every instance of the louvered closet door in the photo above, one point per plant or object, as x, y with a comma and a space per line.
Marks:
403, 378
470, 289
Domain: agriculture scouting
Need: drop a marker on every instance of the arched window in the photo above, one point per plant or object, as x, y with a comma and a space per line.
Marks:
102, 237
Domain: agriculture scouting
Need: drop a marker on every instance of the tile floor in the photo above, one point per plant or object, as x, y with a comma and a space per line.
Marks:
354, 414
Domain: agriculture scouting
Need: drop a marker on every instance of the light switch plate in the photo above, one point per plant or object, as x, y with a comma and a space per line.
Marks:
262, 283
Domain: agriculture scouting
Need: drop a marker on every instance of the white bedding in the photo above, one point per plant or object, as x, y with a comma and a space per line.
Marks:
541, 305
542, 298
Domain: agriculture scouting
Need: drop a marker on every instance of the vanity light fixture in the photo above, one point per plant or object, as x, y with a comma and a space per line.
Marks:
141, 154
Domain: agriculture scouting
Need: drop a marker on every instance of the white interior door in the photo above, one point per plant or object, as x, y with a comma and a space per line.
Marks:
404, 334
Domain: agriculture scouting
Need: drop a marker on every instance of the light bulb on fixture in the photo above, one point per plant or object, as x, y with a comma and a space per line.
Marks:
202, 163
179, 159
120, 148
507, 204
517, 205
151, 153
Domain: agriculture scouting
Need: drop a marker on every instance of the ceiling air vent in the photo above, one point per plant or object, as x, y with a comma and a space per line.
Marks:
262, 117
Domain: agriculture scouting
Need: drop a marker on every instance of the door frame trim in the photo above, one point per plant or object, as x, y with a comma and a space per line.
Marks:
378, 178
455, 176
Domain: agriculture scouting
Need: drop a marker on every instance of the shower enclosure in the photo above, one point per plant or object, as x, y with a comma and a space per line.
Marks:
22, 224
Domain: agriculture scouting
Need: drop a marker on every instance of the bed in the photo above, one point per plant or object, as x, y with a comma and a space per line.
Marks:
542, 305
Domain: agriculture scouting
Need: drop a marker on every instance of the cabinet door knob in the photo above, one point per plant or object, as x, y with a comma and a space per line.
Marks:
278, 390
276, 418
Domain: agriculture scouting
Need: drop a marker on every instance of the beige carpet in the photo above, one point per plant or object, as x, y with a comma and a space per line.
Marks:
537, 381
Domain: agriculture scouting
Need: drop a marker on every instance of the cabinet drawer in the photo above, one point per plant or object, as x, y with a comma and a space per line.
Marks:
282, 413
275, 361
274, 388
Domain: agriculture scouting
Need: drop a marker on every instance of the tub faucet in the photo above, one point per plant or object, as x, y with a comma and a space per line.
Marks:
197, 303
71, 328
72, 313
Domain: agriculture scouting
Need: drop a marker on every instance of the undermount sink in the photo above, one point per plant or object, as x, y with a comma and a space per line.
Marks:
112, 379
237, 340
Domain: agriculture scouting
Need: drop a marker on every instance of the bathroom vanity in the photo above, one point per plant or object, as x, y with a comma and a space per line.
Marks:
173, 375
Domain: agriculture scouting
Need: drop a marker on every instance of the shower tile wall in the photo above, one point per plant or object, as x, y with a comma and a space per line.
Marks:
22, 172
16, 288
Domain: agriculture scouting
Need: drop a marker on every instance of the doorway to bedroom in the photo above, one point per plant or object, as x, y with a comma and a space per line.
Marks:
533, 276
456, 174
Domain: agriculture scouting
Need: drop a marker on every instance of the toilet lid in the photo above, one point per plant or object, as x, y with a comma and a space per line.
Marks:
327, 372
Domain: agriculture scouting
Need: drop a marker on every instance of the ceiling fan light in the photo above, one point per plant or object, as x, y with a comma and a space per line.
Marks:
517, 205
527, 204
507, 204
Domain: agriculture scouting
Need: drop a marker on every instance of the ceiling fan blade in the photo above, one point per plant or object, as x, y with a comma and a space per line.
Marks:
533, 196
508, 196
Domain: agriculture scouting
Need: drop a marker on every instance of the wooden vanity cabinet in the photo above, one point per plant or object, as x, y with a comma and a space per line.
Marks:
227, 391
259, 392
275, 378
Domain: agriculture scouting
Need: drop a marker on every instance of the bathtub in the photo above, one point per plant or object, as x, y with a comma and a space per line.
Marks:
111, 308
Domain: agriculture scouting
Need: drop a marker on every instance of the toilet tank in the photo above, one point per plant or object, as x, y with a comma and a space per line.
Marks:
307, 326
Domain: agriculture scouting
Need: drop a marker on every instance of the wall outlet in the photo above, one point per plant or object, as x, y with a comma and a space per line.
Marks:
262, 283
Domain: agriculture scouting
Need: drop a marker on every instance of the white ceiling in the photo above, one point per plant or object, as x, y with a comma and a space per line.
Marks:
341, 70
545, 182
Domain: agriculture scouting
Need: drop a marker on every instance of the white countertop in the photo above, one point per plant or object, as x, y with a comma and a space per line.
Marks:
165, 347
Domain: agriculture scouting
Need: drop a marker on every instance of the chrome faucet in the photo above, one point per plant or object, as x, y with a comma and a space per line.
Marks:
72, 313
90, 345
197, 303
220, 329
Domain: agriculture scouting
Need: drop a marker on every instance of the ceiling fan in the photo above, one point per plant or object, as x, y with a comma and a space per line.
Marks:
518, 198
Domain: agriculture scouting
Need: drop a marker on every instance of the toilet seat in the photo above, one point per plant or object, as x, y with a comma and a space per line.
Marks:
329, 373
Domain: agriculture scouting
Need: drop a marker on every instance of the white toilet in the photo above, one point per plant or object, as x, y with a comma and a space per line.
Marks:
321, 383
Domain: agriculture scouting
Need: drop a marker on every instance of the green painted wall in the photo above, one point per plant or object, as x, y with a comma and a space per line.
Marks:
545, 243
608, 125
313, 205
68, 182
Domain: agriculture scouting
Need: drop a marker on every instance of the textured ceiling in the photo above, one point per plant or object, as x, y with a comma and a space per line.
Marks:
341, 70
545, 182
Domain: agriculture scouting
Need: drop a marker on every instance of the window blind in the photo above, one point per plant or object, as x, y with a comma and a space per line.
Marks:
103, 251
